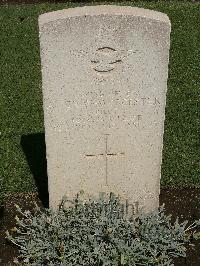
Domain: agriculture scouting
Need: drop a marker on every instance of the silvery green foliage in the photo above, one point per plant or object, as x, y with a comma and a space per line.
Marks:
98, 233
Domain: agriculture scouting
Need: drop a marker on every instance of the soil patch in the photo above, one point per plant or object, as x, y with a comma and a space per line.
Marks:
184, 203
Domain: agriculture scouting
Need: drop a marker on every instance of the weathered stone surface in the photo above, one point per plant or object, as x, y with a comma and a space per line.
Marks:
104, 72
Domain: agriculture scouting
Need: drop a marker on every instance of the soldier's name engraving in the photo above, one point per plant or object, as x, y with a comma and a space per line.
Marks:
144, 101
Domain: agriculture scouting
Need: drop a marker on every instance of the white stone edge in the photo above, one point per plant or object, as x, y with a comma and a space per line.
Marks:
102, 10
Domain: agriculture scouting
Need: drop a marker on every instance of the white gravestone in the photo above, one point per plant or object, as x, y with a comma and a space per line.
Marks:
104, 74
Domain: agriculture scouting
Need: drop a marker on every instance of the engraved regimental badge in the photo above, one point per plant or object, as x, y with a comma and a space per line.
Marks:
106, 59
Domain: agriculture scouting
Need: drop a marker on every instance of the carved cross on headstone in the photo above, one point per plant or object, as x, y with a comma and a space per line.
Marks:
105, 155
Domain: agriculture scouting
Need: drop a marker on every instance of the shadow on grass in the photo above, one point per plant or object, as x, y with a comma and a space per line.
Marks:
34, 148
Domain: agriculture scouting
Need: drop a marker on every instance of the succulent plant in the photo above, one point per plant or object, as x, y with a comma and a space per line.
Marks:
99, 233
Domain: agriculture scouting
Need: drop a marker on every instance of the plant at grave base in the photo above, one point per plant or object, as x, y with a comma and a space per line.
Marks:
99, 233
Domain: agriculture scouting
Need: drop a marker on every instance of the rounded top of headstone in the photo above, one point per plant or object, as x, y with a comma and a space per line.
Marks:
102, 10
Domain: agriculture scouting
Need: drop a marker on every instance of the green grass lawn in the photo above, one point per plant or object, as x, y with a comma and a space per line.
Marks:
21, 111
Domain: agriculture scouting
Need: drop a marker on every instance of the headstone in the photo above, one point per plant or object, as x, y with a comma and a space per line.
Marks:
104, 74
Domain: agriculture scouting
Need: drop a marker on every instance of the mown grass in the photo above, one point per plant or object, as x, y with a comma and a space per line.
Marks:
21, 111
